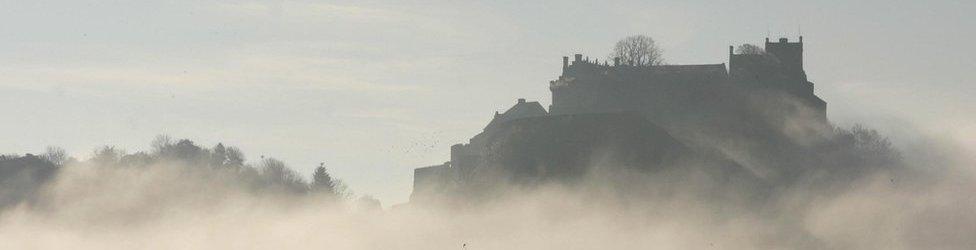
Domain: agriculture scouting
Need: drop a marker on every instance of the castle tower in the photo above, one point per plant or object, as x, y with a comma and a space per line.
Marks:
789, 54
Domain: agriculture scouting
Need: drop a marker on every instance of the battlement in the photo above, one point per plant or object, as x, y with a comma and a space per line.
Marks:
584, 67
593, 86
789, 54
784, 40
579, 60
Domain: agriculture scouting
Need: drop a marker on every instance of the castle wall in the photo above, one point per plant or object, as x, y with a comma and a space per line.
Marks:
657, 91
780, 68
790, 55
432, 180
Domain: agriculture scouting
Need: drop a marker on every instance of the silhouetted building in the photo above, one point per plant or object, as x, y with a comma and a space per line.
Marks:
594, 107
430, 180
779, 68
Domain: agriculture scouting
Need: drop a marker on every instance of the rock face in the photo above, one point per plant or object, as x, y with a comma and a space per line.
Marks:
563, 147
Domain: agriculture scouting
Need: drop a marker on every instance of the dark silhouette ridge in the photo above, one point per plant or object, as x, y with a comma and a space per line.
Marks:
22, 177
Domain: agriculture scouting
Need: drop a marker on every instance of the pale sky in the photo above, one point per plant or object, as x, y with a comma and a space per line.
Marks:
376, 89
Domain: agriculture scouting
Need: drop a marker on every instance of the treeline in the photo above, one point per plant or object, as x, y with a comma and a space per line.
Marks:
22, 176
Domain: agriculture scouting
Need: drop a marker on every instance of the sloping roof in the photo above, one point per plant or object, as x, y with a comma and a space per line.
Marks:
668, 73
522, 109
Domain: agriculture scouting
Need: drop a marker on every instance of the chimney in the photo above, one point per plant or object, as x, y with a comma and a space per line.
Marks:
579, 57
616, 61
565, 62
521, 100
783, 40
731, 49
767, 39
801, 39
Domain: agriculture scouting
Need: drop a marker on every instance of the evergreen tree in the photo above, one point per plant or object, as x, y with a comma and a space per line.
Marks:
323, 183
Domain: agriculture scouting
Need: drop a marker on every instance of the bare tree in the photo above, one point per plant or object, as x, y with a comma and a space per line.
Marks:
235, 158
749, 49
161, 143
56, 156
107, 156
752, 49
867, 146
637, 50
277, 174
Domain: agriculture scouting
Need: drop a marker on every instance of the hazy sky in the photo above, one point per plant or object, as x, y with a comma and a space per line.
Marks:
376, 89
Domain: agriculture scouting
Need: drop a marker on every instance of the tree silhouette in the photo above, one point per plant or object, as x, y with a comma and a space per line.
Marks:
639, 50
275, 173
749, 49
106, 156
22, 176
324, 184
56, 155
138, 159
235, 158
218, 156
321, 179
160, 143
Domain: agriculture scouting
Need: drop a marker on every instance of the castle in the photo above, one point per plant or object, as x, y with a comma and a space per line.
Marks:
757, 93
